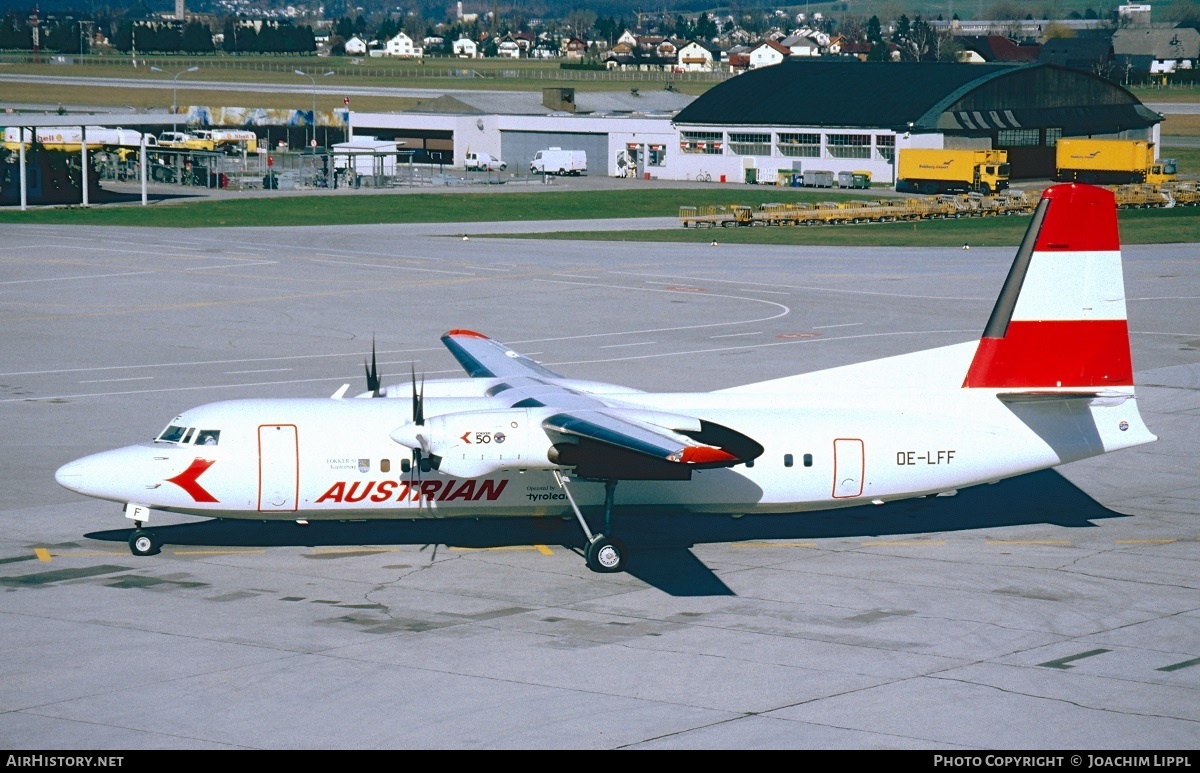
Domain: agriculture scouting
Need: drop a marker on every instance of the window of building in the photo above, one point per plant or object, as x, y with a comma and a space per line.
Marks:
1016, 138
1052, 137
706, 143
799, 145
885, 146
744, 144
656, 155
849, 145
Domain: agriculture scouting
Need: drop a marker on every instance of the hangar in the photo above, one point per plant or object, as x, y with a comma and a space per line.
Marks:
838, 115
844, 114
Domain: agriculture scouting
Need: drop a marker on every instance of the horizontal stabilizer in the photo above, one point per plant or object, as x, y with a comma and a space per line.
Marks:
1095, 397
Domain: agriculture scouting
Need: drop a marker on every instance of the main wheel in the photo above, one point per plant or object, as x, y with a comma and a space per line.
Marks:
143, 543
605, 555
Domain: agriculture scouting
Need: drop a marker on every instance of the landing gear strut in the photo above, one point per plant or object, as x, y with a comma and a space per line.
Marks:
142, 542
603, 554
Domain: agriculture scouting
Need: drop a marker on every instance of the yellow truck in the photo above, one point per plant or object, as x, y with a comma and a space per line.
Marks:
1111, 162
929, 171
184, 141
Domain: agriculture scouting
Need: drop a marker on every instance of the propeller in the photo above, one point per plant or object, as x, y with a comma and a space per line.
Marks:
414, 436
372, 372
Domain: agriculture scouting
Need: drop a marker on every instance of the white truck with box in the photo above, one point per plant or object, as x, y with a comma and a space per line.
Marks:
559, 161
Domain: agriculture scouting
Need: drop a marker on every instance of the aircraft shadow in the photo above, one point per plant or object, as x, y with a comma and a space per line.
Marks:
659, 544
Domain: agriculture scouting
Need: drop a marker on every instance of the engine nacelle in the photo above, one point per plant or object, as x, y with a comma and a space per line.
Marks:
472, 444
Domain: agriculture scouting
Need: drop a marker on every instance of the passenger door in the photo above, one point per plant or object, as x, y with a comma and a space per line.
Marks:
278, 468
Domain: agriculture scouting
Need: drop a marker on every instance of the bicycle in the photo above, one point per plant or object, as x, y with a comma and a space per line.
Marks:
703, 177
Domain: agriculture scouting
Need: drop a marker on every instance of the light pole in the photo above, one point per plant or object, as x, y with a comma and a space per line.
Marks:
175, 85
314, 102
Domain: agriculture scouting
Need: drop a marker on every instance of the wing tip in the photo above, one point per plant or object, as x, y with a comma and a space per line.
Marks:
461, 332
707, 455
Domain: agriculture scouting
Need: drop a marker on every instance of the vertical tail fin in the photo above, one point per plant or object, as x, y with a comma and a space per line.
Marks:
1060, 320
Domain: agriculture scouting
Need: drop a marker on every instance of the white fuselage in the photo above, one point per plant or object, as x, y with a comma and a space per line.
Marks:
333, 459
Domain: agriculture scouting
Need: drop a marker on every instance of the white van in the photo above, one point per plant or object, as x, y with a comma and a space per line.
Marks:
483, 162
559, 161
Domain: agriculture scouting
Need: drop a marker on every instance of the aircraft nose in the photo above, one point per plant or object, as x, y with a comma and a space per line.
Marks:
107, 475
71, 475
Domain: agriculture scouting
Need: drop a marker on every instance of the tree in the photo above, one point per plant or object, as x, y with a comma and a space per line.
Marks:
197, 39
874, 30
416, 27
579, 23
903, 28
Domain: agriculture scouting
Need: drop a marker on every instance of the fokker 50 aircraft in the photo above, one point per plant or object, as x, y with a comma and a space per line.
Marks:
1050, 381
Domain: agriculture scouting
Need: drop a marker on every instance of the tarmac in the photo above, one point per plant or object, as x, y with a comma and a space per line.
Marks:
1056, 611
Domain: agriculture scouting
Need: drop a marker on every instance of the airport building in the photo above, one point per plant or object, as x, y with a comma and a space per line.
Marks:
829, 114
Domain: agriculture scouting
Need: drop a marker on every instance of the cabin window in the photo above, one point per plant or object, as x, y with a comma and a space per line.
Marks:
385, 465
808, 460
787, 460
172, 434
405, 465
208, 437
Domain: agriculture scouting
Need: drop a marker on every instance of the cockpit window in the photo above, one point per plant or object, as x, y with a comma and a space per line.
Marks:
187, 438
172, 434
208, 437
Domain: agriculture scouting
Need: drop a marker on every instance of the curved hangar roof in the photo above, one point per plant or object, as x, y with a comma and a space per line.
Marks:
956, 98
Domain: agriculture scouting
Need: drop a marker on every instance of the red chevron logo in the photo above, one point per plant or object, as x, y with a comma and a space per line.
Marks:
186, 480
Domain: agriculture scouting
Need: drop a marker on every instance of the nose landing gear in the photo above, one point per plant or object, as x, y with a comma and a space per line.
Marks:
143, 542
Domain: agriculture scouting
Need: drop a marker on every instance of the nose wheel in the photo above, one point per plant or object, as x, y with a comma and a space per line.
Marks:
144, 543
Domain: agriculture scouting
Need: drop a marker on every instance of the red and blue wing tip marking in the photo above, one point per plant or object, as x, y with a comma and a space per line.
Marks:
463, 333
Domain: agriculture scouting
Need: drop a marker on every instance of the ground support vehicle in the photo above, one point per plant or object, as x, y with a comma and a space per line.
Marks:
559, 161
484, 162
1185, 194
1142, 197
716, 215
932, 171
1113, 162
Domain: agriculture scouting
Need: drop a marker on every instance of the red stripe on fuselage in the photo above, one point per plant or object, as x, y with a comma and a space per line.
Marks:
186, 480
1084, 353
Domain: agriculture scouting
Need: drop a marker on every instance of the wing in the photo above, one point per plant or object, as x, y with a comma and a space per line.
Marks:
599, 439
483, 357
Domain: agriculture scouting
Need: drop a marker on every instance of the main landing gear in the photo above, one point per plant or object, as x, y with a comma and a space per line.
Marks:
603, 554
143, 542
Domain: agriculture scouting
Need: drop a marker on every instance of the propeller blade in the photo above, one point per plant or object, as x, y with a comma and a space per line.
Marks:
419, 418
372, 372
417, 409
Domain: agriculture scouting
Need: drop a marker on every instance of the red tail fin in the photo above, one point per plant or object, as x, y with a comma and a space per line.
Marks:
1060, 319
